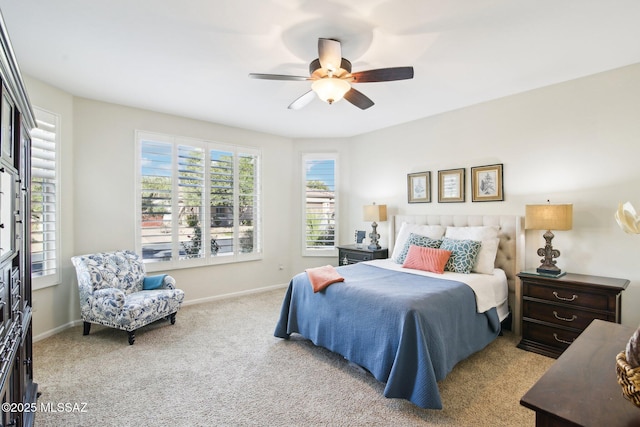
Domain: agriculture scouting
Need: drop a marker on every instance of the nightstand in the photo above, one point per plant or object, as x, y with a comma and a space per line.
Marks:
556, 310
351, 254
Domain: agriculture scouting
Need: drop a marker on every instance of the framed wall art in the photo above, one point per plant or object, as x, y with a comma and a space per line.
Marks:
486, 183
451, 185
360, 236
419, 187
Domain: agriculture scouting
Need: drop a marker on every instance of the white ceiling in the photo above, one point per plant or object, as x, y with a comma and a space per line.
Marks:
191, 57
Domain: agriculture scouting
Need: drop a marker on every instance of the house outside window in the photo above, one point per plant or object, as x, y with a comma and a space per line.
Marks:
198, 201
45, 245
319, 184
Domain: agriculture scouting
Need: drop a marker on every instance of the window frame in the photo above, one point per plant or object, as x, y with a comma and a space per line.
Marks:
40, 282
329, 251
208, 259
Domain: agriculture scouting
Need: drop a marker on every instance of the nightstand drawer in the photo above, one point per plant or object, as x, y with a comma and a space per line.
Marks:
566, 295
354, 257
351, 254
547, 335
561, 315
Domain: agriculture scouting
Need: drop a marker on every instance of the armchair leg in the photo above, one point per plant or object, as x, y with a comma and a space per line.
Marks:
86, 328
132, 337
172, 318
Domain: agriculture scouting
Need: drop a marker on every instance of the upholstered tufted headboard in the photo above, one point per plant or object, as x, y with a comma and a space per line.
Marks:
510, 250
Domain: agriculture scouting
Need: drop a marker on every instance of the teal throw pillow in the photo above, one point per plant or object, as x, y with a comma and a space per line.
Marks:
153, 282
463, 254
417, 240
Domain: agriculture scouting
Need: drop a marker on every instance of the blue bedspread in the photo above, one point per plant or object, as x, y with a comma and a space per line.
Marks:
408, 330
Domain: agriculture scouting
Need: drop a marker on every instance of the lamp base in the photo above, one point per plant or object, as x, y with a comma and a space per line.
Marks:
374, 237
548, 266
550, 272
540, 274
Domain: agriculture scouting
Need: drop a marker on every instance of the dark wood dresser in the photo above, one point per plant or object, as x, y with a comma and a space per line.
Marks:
351, 254
556, 310
581, 387
18, 392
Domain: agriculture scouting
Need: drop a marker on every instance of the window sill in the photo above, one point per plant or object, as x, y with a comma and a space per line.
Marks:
326, 253
152, 267
38, 283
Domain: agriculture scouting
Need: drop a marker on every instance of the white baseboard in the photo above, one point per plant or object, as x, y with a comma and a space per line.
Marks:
235, 294
54, 331
61, 328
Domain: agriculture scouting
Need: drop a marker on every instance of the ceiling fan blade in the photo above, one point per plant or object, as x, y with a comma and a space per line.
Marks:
302, 101
277, 77
330, 54
358, 99
383, 75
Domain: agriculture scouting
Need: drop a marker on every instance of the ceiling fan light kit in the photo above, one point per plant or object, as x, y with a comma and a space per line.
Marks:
331, 77
330, 89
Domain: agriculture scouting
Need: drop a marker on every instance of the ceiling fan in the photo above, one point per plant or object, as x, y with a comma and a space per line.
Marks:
332, 78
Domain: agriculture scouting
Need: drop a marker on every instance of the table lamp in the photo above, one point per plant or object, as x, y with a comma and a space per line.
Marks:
375, 213
548, 217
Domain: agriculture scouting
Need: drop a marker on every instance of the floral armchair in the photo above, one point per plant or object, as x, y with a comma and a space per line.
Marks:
115, 292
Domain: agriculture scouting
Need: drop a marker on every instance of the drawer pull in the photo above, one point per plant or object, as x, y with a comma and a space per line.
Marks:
573, 298
573, 317
562, 341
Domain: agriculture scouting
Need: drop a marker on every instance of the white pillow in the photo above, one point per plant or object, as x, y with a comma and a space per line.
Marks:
431, 231
488, 235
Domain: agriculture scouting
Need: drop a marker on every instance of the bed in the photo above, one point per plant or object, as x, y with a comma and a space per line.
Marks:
409, 327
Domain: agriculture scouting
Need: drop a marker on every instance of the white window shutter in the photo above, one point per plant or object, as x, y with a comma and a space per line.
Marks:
44, 196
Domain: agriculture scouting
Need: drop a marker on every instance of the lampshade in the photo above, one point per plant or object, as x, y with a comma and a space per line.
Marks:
330, 89
375, 212
548, 217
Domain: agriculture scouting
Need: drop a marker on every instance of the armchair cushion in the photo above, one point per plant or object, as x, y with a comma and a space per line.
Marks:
109, 297
121, 269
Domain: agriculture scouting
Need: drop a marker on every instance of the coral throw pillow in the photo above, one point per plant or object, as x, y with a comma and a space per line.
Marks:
426, 259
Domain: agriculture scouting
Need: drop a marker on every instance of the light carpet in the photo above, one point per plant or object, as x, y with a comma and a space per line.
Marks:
220, 365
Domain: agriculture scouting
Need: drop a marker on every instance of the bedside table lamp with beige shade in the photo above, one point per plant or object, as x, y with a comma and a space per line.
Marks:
375, 213
548, 217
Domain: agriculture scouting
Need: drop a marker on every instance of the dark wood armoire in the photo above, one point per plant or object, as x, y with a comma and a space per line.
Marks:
18, 391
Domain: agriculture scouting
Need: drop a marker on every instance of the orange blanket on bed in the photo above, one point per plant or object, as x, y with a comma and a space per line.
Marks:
322, 277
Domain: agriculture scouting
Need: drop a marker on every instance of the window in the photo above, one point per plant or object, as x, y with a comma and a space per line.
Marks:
44, 199
319, 198
199, 202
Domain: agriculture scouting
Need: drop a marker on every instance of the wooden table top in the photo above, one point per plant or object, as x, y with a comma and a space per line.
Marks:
581, 386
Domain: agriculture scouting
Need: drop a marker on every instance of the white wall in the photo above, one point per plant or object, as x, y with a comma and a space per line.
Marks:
104, 186
55, 307
576, 142
98, 200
